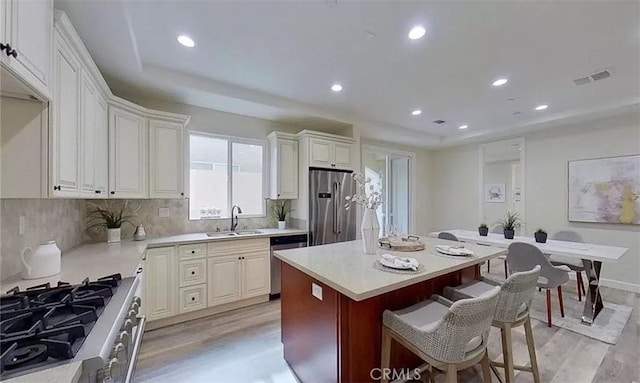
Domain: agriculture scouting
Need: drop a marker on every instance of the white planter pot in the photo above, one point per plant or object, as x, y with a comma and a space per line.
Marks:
113, 235
370, 230
282, 225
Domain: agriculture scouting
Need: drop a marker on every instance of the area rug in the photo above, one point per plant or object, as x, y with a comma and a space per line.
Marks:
606, 328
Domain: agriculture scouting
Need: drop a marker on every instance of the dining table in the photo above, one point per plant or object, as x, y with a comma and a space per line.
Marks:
592, 256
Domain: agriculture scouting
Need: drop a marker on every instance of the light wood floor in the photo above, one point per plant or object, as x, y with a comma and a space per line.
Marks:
244, 346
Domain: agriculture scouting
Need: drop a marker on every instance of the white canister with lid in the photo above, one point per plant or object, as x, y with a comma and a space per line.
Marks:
43, 261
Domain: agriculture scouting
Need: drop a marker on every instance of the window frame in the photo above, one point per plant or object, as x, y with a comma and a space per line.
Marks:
230, 141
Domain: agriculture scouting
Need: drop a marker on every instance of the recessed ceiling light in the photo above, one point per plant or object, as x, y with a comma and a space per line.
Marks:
417, 32
416, 112
186, 41
336, 87
500, 82
463, 126
542, 107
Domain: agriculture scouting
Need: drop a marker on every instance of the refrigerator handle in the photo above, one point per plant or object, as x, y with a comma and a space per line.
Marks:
335, 207
338, 214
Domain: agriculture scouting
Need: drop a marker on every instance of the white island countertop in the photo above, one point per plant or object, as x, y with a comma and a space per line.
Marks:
97, 260
346, 268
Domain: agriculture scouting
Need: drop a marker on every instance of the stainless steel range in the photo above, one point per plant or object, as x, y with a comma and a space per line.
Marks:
95, 322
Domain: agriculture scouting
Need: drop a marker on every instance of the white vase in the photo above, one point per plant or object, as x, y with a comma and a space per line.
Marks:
370, 231
282, 225
113, 235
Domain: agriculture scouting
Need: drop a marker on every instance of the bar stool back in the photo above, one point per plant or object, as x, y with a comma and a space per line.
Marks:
449, 336
512, 311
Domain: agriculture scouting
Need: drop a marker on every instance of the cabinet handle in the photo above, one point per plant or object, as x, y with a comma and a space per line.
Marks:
57, 187
193, 251
182, 194
193, 298
139, 270
98, 192
112, 192
14, 53
278, 194
193, 273
5, 46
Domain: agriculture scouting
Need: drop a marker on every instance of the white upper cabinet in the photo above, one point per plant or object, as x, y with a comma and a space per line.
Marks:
93, 130
284, 166
26, 35
166, 159
65, 130
331, 153
128, 160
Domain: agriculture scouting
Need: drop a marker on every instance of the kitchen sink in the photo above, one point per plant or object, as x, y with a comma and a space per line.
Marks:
240, 233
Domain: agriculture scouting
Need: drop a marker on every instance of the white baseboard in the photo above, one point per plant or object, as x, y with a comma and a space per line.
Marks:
633, 287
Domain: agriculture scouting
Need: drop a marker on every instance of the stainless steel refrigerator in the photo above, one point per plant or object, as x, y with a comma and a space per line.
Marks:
329, 220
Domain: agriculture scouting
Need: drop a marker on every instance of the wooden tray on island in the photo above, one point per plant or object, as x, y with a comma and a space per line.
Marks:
409, 243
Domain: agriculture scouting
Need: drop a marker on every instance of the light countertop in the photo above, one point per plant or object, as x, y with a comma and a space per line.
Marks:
100, 259
590, 251
346, 268
66, 373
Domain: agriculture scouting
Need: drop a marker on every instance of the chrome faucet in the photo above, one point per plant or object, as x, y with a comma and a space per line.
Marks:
234, 222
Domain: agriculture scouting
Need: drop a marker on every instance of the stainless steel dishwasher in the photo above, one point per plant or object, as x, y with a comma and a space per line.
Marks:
282, 243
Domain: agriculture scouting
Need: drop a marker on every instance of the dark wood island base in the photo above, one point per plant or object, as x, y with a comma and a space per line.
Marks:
338, 339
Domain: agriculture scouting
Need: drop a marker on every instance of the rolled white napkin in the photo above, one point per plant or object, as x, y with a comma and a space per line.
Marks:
403, 262
454, 250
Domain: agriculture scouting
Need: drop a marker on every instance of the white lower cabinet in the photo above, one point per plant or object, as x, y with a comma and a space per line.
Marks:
223, 275
192, 298
255, 274
160, 283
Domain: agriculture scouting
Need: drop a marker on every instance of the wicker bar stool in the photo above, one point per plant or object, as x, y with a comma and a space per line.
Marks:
512, 311
449, 336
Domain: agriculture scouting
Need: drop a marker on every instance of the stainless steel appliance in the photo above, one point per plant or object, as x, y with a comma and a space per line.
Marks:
282, 243
329, 220
95, 322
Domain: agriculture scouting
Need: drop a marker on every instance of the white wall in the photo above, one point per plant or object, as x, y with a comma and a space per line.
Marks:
455, 181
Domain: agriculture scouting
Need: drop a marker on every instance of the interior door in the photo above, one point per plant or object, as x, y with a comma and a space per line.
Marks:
399, 193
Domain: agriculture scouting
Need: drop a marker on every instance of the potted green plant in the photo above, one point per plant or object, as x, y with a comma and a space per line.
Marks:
110, 217
540, 235
509, 224
280, 209
483, 230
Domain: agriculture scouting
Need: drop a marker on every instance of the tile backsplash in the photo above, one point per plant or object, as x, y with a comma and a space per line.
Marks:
63, 220
45, 219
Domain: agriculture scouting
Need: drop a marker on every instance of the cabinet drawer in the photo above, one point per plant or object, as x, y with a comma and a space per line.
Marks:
192, 272
192, 298
236, 246
192, 251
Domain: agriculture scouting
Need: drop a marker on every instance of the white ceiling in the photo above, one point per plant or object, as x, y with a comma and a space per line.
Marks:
278, 59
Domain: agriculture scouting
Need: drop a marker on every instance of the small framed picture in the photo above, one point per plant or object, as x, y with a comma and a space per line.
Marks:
495, 193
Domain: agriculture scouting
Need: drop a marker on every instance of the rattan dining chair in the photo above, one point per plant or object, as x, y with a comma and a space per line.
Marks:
524, 256
573, 264
448, 336
512, 311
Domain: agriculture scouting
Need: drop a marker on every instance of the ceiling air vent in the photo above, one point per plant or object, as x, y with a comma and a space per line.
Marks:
601, 75
592, 77
439, 122
582, 80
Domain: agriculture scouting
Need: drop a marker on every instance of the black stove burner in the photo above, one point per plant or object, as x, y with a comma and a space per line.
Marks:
28, 354
43, 324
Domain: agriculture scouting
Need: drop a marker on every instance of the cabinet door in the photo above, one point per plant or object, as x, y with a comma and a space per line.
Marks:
255, 278
88, 130
161, 289
66, 128
321, 153
101, 146
28, 29
127, 154
223, 279
166, 159
287, 176
343, 156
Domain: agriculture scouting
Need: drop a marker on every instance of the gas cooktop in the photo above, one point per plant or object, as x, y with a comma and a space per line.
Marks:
43, 324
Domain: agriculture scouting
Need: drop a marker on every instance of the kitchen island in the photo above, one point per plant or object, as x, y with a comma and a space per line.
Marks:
333, 299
